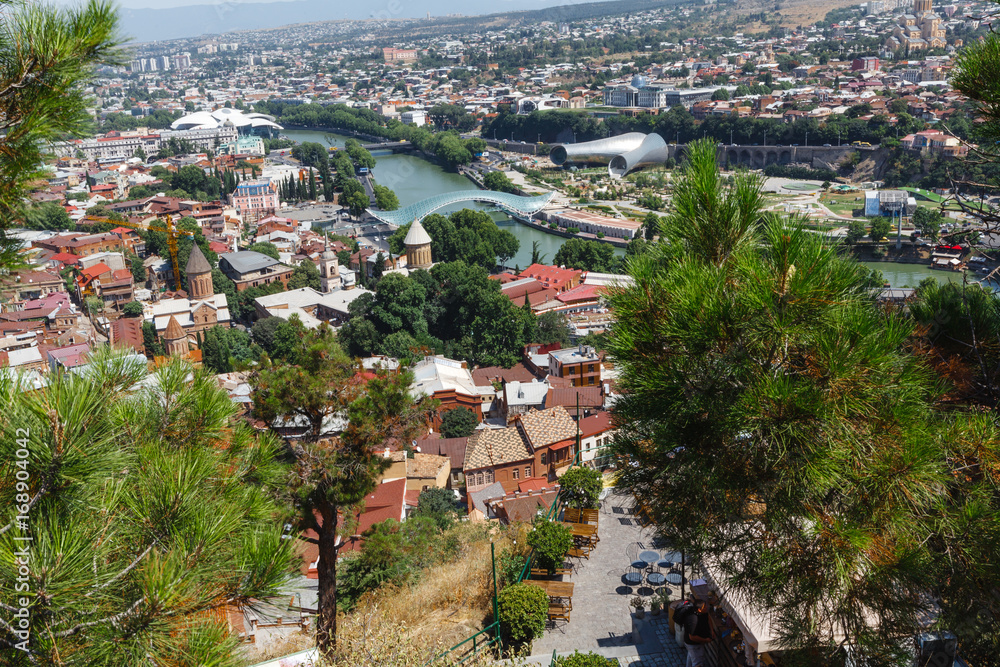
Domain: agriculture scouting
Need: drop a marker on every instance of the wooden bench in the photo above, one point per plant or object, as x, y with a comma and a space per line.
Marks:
559, 571
578, 552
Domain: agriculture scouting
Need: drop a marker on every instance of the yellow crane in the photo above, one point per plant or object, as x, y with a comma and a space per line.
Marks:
169, 229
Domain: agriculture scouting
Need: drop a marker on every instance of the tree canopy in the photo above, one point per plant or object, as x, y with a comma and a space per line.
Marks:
151, 508
781, 425
467, 235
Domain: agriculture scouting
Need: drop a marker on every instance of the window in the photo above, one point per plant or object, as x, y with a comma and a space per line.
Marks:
543, 458
590, 380
590, 368
527, 472
479, 479
489, 476
516, 473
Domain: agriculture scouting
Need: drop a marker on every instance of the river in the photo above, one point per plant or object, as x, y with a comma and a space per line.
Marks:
412, 179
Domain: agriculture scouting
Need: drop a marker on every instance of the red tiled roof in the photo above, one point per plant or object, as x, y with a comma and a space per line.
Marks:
581, 293
96, 270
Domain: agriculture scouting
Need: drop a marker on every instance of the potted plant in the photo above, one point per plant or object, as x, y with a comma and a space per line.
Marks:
654, 606
639, 604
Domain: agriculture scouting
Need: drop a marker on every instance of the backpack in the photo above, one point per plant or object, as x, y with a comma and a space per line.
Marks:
682, 611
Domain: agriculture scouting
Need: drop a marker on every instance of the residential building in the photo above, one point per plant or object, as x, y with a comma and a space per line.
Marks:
449, 382
414, 117
247, 268
311, 307
540, 443
255, 199
581, 365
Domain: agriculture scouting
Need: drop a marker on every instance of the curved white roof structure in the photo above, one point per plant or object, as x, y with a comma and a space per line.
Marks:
207, 120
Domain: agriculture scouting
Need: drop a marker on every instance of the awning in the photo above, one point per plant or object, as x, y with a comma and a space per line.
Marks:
561, 445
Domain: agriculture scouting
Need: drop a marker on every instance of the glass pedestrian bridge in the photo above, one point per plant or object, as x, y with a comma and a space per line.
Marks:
523, 207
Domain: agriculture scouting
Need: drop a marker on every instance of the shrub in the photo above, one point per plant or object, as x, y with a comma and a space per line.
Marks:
550, 541
523, 609
509, 567
573, 230
437, 505
132, 309
600, 235
458, 423
553, 225
581, 487
589, 659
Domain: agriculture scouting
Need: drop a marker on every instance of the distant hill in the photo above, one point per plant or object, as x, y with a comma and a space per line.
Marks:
147, 25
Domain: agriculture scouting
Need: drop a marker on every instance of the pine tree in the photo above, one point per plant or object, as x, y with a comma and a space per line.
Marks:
47, 57
150, 511
777, 424
312, 185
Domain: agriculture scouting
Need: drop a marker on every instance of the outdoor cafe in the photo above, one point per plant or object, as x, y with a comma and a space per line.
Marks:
582, 525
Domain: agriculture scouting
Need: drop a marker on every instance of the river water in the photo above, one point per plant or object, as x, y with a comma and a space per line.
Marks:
412, 178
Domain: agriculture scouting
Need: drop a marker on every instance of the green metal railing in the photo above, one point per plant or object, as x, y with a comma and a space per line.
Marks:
494, 627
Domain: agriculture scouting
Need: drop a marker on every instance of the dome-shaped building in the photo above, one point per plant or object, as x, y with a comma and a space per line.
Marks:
418, 247
246, 123
639, 81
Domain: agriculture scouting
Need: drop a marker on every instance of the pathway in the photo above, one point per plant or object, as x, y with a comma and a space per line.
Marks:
601, 618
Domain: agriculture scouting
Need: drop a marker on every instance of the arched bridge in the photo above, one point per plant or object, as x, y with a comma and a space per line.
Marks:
523, 207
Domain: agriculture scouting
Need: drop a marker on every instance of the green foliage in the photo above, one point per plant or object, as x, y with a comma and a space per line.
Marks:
523, 610
141, 487
509, 567
313, 154
385, 198
552, 327
305, 275
132, 309
48, 215
334, 473
223, 348
765, 392
497, 180
586, 255
393, 553
455, 309
928, 221
856, 230
438, 505
550, 541
588, 659
467, 235
458, 423
47, 57
278, 337
581, 487
266, 248
94, 305
879, 228
151, 342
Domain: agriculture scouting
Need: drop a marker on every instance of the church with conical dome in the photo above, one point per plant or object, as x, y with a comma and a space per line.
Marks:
418, 247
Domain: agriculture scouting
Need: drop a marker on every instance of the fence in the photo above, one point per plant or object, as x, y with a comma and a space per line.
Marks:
494, 627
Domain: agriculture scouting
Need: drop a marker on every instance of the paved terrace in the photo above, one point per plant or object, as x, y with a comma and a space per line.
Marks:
601, 617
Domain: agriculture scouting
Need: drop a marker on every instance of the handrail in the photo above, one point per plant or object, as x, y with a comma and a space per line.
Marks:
552, 512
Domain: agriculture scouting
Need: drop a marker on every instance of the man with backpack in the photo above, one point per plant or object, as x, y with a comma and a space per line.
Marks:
697, 630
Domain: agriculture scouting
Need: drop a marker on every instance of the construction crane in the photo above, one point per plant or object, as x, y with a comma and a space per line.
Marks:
168, 229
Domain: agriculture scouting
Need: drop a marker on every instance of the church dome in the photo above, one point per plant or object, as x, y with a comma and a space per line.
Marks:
417, 235
639, 81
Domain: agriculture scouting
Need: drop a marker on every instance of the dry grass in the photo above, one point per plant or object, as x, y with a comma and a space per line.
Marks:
450, 601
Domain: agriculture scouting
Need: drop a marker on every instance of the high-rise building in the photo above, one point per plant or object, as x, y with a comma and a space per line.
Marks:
921, 7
